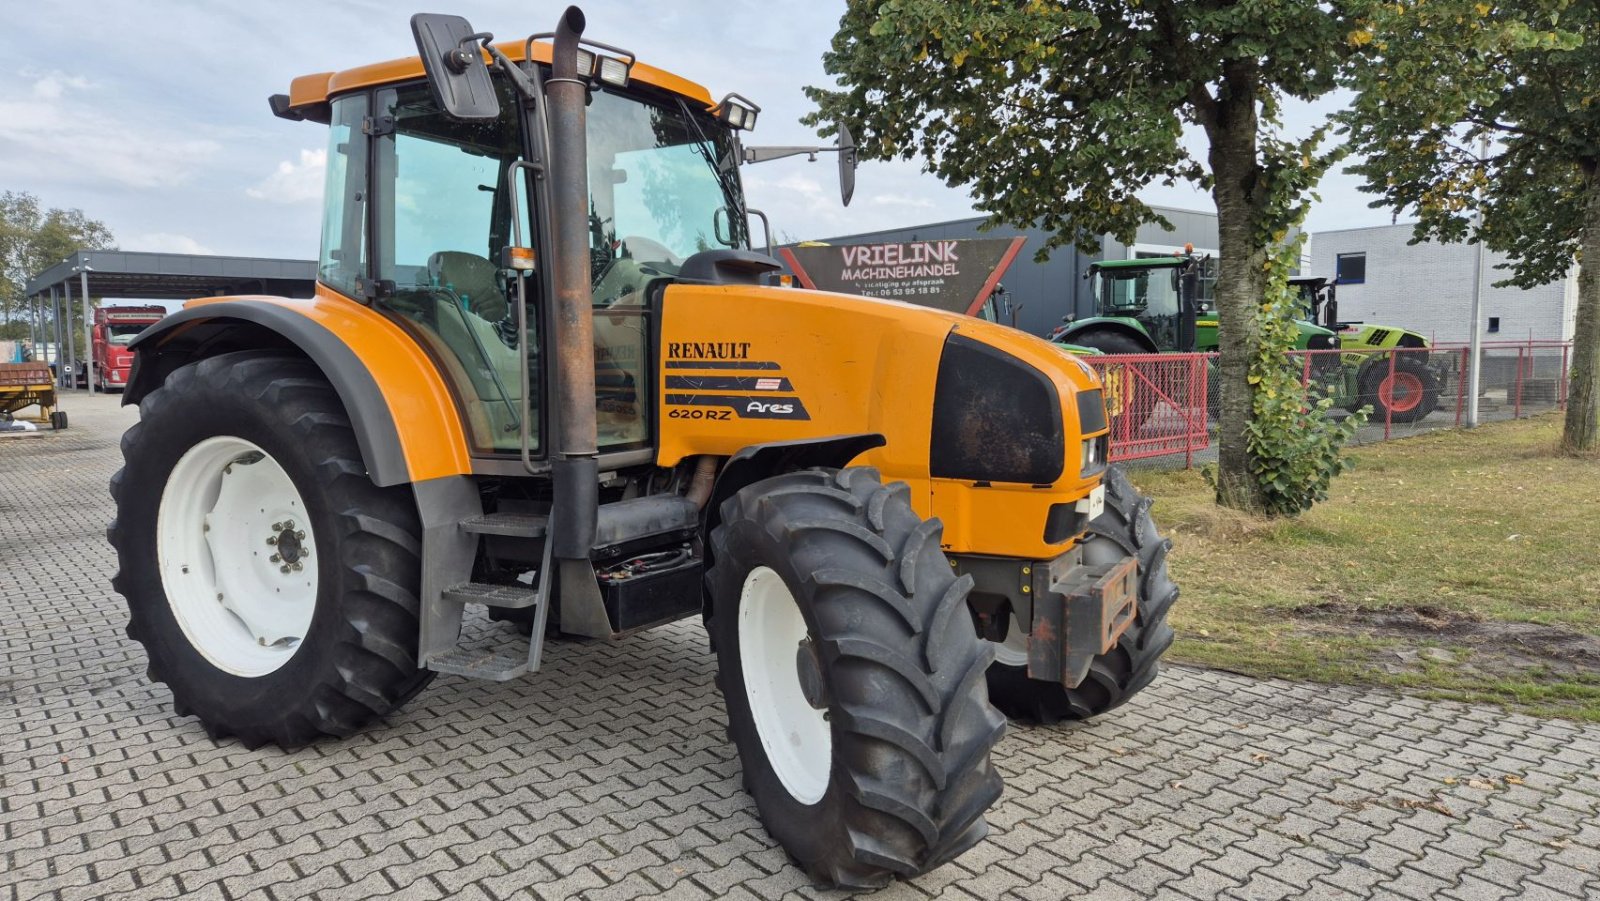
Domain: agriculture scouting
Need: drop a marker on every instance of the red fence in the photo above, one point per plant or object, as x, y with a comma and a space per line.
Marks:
1157, 404
1162, 404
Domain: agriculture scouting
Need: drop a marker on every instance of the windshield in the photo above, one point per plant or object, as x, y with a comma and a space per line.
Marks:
124, 334
1137, 292
661, 185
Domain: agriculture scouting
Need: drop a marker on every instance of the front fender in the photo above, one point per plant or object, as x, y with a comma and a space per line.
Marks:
403, 414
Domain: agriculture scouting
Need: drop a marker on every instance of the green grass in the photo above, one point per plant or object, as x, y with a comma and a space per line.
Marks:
1447, 534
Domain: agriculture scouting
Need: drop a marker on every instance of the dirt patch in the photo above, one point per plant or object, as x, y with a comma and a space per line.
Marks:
1496, 647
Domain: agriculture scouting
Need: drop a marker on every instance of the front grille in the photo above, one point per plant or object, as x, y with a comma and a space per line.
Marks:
995, 418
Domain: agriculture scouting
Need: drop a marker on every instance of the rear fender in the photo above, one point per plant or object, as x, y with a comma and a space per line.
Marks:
1121, 325
409, 434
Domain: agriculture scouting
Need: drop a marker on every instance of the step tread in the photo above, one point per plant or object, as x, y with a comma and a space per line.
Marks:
497, 664
517, 525
513, 597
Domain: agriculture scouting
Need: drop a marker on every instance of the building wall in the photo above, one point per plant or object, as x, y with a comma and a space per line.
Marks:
1428, 288
1055, 288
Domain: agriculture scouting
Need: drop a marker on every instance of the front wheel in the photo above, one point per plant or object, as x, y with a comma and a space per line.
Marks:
273, 586
852, 676
1124, 529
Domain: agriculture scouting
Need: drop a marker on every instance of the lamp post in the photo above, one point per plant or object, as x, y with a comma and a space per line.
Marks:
1475, 337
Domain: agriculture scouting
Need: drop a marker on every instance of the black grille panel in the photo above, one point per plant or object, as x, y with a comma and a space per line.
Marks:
995, 418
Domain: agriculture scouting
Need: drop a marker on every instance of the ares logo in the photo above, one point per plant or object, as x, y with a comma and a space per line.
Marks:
757, 406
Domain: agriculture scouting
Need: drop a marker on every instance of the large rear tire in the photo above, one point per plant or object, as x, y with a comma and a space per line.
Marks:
273, 586
1125, 528
852, 676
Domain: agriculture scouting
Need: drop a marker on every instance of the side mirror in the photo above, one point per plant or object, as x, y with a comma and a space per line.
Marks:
847, 164
456, 71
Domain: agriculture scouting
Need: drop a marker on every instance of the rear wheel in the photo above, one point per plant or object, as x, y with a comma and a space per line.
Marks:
1124, 529
1406, 394
273, 586
852, 676
58, 420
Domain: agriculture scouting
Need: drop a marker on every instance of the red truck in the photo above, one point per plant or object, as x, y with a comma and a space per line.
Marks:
114, 328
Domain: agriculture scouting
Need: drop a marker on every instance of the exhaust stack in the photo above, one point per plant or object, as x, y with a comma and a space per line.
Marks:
575, 469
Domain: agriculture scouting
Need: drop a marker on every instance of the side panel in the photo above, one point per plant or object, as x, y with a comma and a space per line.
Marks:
388, 385
745, 366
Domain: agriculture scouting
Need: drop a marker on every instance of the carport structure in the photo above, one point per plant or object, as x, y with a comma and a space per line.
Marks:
145, 276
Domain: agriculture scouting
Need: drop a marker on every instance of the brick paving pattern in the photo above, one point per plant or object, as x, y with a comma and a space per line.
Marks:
608, 775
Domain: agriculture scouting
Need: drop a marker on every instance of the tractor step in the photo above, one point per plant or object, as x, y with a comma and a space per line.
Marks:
515, 525
511, 597
494, 664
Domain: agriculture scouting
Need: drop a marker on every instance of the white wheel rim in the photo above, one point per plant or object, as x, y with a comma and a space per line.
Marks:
795, 735
227, 510
1014, 650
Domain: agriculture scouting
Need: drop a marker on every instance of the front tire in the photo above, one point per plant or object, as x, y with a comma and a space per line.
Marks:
1125, 528
852, 676
273, 586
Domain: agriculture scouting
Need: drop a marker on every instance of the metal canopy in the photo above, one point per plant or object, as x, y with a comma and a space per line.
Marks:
175, 276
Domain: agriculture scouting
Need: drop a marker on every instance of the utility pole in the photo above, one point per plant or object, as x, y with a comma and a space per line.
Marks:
1475, 339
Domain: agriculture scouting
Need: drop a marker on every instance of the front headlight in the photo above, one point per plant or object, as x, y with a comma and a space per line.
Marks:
1095, 453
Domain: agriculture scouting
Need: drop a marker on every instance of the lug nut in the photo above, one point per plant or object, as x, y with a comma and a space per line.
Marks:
296, 567
274, 558
272, 540
277, 527
284, 568
300, 534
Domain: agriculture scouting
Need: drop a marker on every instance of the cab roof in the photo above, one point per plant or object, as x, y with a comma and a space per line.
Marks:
1142, 263
309, 94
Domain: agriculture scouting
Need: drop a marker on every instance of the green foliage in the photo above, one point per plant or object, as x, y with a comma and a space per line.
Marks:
1526, 75
33, 239
1295, 449
1060, 113
1525, 78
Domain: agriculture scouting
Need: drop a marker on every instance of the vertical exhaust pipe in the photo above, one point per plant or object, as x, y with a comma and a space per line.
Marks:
575, 470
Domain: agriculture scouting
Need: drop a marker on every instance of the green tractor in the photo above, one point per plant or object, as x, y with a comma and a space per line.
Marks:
1153, 305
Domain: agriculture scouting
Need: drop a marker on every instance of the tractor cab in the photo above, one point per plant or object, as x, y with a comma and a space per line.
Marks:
1147, 305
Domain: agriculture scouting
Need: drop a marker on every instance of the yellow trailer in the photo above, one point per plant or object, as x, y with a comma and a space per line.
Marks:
24, 385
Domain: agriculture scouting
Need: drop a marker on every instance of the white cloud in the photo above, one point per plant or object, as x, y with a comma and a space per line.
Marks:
901, 200
57, 129
163, 242
51, 85
294, 182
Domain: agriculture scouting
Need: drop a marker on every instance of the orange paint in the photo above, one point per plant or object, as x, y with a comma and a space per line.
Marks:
309, 90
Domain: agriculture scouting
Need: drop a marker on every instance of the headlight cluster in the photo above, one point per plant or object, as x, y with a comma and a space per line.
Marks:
1095, 453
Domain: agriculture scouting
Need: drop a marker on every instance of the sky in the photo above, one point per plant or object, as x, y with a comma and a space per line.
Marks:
153, 116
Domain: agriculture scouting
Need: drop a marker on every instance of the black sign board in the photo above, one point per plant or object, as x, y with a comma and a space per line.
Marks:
950, 274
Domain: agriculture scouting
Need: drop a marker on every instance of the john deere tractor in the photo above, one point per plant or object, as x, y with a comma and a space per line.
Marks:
1152, 305
541, 373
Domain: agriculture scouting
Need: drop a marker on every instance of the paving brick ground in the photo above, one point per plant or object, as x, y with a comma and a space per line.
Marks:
607, 775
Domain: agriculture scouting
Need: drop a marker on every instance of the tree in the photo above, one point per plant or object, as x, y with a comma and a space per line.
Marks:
1060, 113
33, 239
1527, 76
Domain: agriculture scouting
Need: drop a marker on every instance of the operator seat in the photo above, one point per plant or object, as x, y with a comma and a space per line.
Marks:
474, 279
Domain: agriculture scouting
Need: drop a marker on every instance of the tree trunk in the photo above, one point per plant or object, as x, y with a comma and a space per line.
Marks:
1583, 400
1241, 285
